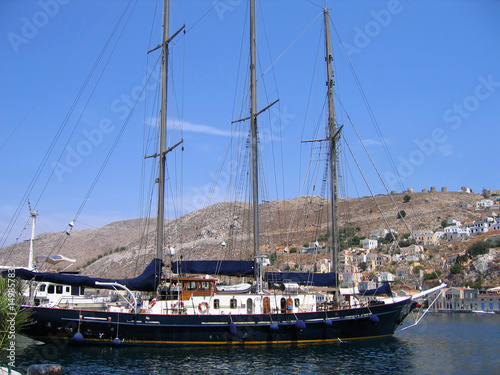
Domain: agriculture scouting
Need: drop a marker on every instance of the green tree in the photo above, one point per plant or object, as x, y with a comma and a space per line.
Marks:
406, 198
324, 237
363, 266
401, 214
478, 248
432, 276
462, 259
11, 300
416, 269
456, 269
479, 283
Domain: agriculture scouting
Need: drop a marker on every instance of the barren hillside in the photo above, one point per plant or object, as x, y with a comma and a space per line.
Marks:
201, 234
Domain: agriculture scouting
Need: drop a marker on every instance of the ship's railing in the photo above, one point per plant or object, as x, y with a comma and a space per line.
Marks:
116, 285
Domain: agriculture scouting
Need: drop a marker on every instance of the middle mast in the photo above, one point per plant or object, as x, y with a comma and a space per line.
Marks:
254, 148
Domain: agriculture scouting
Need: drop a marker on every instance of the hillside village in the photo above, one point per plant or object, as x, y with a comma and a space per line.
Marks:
435, 235
461, 254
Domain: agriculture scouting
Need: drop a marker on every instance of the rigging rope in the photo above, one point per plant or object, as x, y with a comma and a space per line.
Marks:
368, 107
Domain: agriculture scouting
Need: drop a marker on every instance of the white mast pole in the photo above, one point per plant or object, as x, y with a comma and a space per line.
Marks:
31, 254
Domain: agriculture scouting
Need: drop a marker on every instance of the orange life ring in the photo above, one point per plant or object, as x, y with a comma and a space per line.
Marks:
203, 306
152, 303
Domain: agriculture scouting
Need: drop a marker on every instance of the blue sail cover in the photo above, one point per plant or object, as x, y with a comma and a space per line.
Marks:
146, 282
303, 278
382, 289
215, 267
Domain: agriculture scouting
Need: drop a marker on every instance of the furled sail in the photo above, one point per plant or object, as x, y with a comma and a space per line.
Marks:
146, 282
215, 267
384, 289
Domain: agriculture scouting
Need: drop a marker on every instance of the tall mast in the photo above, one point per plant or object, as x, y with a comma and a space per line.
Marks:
163, 133
31, 254
332, 137
253, 130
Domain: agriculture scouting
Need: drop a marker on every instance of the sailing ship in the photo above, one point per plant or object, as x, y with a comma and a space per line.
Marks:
191, 310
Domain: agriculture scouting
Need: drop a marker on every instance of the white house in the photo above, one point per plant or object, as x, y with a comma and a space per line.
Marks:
386, 277
496, 225
480, 226
452, 229
484, 203
413, 258
439, 234
489, 216
379, 233
369, 243
469, 224
454, 222
455, 233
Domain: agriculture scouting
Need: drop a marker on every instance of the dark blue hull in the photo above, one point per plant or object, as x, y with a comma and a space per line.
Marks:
66, 326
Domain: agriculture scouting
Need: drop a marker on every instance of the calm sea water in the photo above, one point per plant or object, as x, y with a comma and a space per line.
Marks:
440, 344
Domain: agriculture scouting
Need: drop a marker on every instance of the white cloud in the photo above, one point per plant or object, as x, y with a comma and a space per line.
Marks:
375, 142
204, 129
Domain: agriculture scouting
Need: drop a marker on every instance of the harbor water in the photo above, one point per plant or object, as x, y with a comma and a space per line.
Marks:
440, 344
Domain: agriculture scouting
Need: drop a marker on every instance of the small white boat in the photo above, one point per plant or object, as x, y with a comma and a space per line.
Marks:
239, 288
477, 312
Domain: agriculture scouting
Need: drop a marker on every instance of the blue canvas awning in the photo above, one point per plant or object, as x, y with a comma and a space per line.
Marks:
215, 267
382, 289
146, 282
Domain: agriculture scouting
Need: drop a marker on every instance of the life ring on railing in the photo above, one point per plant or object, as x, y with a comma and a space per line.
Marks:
152, 302
175, 306
203, 306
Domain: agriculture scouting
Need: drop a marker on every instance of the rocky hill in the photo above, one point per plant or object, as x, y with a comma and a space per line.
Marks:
122, 249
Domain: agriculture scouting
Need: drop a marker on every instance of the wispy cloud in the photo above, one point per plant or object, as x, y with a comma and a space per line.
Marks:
375, 142
190, 127
204, 129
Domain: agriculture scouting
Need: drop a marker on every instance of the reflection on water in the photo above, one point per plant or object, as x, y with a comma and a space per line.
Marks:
441, 343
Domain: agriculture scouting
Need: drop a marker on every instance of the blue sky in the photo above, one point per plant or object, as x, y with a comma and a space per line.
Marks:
429, 70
